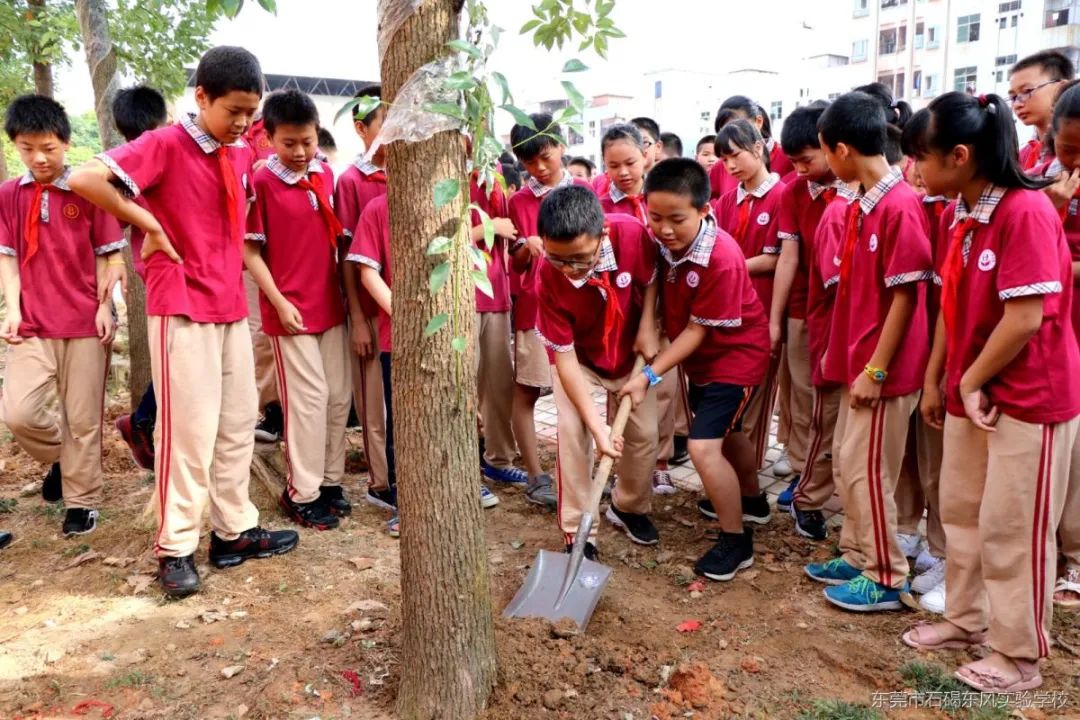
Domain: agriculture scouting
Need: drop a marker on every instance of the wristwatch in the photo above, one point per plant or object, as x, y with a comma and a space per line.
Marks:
876, 374
652, 376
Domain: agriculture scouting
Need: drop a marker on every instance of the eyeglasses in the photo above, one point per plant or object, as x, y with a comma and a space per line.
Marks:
575, 265
646, 144
1024, 96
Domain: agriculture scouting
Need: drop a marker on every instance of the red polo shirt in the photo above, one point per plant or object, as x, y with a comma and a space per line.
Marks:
494, 204
939, 216
58, 283
361, 183
571, 314
722, 182
709, 285
298, 247
823, 276
616, 202
371, 247
801, 207
1070, 216
758, 235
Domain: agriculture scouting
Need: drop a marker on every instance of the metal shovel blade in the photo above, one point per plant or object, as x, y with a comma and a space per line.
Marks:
539, 595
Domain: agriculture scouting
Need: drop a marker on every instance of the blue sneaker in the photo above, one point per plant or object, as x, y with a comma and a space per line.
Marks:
864, 595
784, 499
512, 475
834, 572
488, 499
393, 527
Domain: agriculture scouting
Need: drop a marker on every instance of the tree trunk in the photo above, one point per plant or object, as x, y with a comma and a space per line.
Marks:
448, 640
3, 162
43, 76
101, 60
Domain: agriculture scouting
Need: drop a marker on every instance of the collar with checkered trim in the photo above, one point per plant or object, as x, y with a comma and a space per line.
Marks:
873, 196
984, 207
289, 176
366, 166
539, 189
816, 189
606, 263
618, 195
700, 250
759, 192
203, 139
60, 183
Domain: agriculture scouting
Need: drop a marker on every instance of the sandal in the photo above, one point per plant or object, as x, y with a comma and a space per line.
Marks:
986, 678
924, 636
1068, 583
393, 527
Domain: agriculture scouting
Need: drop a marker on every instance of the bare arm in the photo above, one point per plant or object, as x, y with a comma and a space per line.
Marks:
647, 342
681, 348
1022, 319
786, 268
899, 316
376, 287
9, 280
762, 264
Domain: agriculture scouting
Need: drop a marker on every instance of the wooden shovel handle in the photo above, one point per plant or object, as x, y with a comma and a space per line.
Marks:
617, 428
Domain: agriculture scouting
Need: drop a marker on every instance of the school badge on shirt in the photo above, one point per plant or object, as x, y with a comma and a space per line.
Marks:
763, 219
873, 243
987, 260
71, 211
693, 279
623, 280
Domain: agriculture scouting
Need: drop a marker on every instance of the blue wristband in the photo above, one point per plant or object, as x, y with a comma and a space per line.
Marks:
653, 377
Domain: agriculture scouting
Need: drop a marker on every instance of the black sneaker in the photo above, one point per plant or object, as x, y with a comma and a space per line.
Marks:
809, 523
315, 514
681, 453
354, 420
333, 496
756, 509
591, 553
731, 553
253, 543
705, 507
272, 424
178, 576
385, 499
638, 528
52, 488
79, 521
5, 539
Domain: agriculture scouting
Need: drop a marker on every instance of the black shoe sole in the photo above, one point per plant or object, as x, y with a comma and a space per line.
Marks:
680, 459
614, 520
340, 510
304, 522
74, 533
729, 576
178, 593
227, 561
757, 519
711, 514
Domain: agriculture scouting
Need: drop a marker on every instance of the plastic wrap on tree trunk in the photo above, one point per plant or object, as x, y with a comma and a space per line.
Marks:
392, 14
406, 117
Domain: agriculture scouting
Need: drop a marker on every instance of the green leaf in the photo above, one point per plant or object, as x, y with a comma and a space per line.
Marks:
269, 6
231, 7
445, 192
574, 65
448, 109
458, 344
461, 80
582, 22
500, 79
466, 47
529, 26
435, 324
438, 277
439, 246
520, 116
614, 33
482, 283
477, 257
577, 100
489, 227
359, 107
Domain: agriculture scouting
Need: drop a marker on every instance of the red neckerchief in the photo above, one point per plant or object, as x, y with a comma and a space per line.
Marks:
851, 239
954, 269
744, 219
313, 184
612, 312
939, 209
228, 178
1033, 157
829, 195
33, 223
640, 211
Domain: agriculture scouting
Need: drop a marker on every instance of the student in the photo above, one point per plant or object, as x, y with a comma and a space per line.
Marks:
750, 214
327, 146
137, 110
200, 347
291, 253
597, 309
650, 149
670, 146
59, 257
625, 156
1010, 410
360, 183
582, 168
541, 154
739, 107
719, 330
512, 176
1033, 85
876, 351
705, 153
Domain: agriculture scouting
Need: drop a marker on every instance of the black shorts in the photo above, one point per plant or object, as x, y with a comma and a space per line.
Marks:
718, 409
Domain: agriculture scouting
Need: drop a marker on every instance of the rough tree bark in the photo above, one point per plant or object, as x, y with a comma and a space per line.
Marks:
43, 76
101, 59
448, 641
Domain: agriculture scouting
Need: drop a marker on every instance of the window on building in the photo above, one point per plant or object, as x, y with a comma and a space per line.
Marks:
658, 89
964, 79
592, 127
1007, 7
833, 96
1058, 12
706, 116
1002, 22
930, 86
967, 28
858, 50
920, 35
916, 83
1005, 60
892, 40
574, 136
933, 37
1015, 19
862, 8
886, 4
776, 110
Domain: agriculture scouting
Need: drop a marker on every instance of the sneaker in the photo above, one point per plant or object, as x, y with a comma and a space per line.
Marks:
511, 475
139, 439
934, 601
864, 595
253, 543
333, 496
178, 576
731, 553
488, 499
52, 487
272, 424
929, 579
782, 467
925, 561
833, 572
705, 507
809, 523
638, 528
5, 539
661, 483
393, 527
785, 498
541, 491
910, 545
385, 498
315, 514
591, 553
79, 521
756, 509
681, 453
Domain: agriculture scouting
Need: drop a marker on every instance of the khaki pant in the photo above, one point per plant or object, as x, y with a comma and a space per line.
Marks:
817, 483
917, 491
531, 366
265, 380
575, 459
757, 422
74, 372
314, 385
207, 408
367, 389
1001, 496
495, 386
871, 450
800, 393
1069, 527
672, 408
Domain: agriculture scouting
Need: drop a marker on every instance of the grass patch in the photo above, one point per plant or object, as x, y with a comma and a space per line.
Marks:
8, 505
839, 710
949, 694
134, 679
76, 550
51, 510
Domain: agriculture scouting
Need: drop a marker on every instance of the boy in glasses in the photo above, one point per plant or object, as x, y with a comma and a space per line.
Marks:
1034, 83
597, 309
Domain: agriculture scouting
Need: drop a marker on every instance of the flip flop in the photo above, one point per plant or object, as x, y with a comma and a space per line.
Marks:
931, 639
1069, 582
985, 678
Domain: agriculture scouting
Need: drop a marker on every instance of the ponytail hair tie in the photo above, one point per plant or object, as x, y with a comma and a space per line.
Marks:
983, 101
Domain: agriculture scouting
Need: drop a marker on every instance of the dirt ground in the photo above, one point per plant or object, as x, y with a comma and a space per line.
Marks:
85, 633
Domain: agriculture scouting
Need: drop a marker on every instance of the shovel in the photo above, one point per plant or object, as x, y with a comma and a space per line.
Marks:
569, 586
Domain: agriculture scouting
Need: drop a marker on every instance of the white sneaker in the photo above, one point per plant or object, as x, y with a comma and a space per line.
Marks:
934, 601
910, 545
925, 561
782, 467
929, 579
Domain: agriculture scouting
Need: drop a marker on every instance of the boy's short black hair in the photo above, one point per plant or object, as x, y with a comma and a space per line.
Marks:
37, 115
528, 143
680, 176
709, 140
326, 140
1054, 63
510, 174
584, 161
288, 107
137, 110
801, 129
374, 90
673, 142
857, 120
227, 68
648, 125
568, 212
